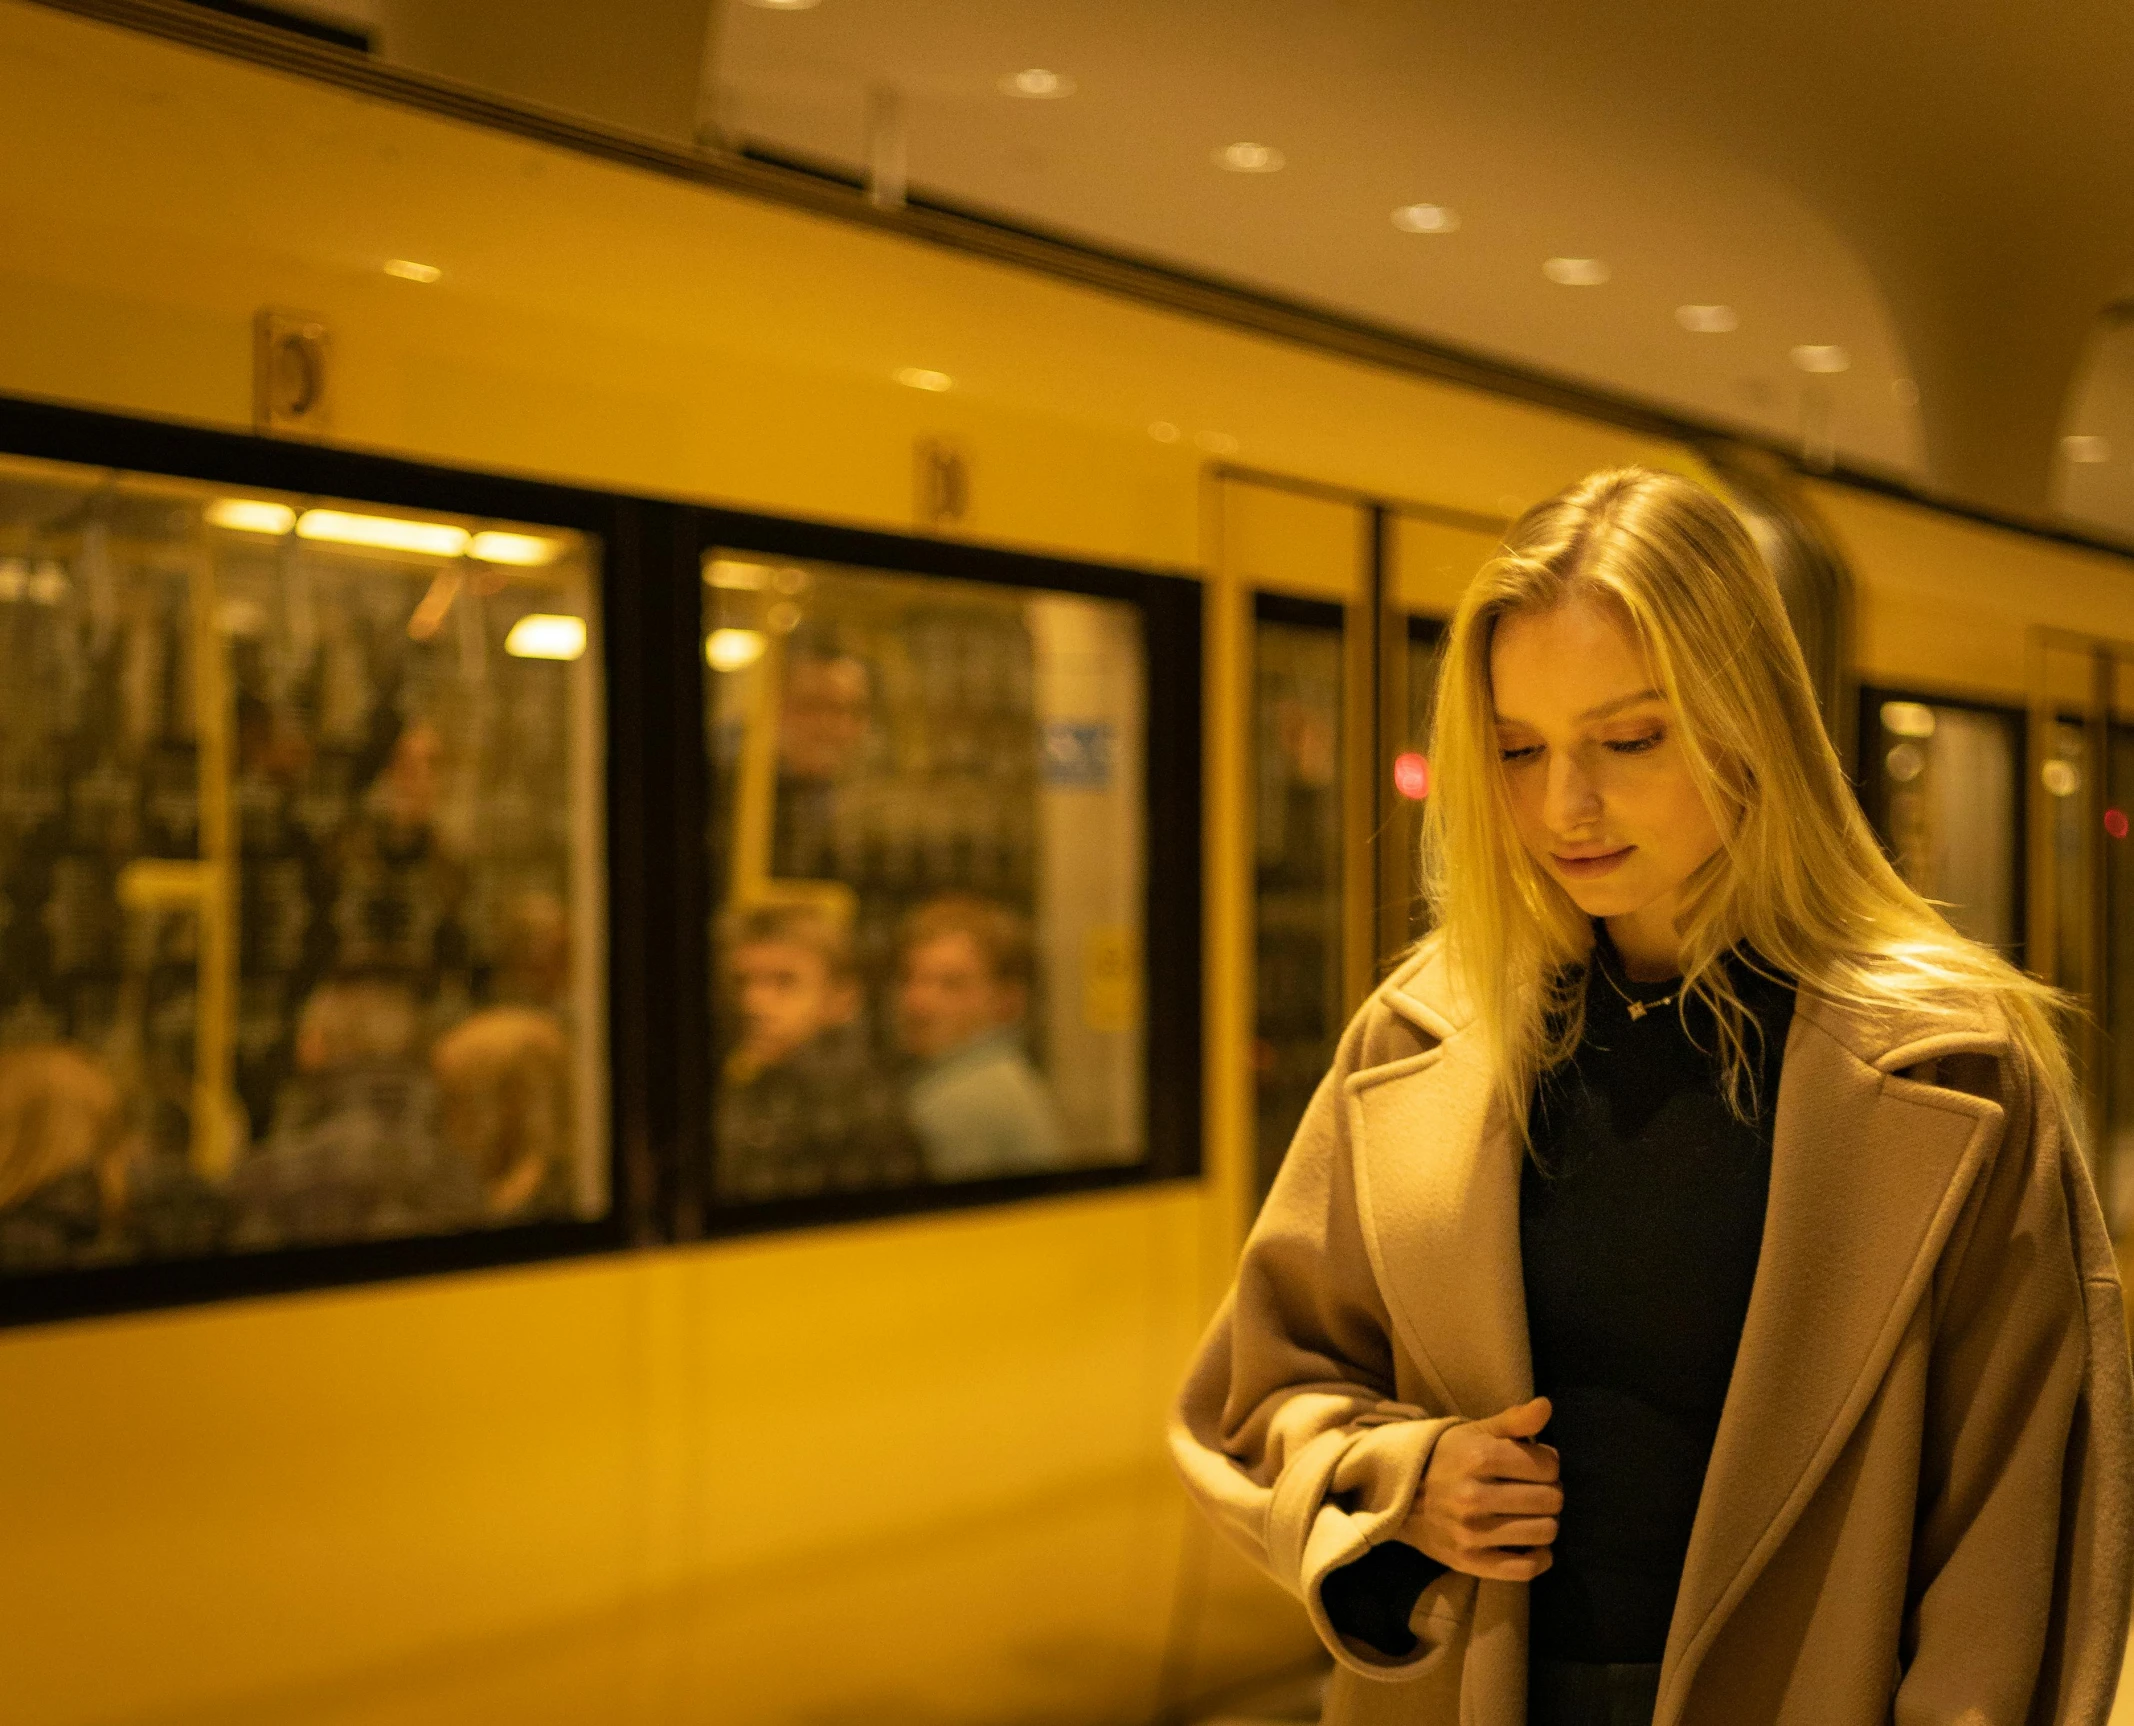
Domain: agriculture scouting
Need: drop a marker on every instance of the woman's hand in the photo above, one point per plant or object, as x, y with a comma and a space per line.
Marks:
1489, 1499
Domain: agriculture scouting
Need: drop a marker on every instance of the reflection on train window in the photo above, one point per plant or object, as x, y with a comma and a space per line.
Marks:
1297, 858
1411, 770
927, 837
1940, 782
299, 877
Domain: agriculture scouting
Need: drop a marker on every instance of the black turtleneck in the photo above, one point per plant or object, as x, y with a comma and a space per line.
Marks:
1640, 1223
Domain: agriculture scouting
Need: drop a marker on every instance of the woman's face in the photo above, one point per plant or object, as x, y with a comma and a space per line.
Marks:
1600, 785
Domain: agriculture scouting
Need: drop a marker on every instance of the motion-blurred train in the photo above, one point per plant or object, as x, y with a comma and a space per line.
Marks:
674, 854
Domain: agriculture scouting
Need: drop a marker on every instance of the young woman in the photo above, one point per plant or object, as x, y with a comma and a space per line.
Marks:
1684, 1301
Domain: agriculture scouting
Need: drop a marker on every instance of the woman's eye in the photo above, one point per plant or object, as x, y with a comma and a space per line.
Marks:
1636, 745
1525, 752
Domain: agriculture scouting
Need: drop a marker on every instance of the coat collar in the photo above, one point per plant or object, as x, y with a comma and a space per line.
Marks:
1869, 1169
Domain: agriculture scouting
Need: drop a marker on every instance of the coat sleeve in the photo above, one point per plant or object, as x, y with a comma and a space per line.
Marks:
1289, 1432
2018, 1602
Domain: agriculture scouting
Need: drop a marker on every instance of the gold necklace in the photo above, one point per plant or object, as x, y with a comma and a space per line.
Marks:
1638, 1009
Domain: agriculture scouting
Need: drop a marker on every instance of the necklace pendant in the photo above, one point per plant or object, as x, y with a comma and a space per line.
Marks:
1638, 1010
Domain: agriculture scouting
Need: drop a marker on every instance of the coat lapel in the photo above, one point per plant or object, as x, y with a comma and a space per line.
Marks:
1437, 1179
1868, 1172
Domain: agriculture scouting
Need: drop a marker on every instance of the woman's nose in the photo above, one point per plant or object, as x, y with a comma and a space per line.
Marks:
1573, 800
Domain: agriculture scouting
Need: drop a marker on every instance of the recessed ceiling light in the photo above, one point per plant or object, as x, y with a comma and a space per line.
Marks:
1708, 320
1038, 82
1822, 357
1575, 272
2086, 449
408, 270
1425, 219
919, 378
1249, 158
1163, 431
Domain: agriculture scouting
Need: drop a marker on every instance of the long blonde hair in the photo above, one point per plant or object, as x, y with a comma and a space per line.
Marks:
1798, 878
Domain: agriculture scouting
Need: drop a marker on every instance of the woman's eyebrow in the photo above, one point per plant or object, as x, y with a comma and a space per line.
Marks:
1620, 702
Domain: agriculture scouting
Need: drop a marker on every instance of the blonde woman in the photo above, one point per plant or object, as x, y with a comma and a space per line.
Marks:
1684, 1301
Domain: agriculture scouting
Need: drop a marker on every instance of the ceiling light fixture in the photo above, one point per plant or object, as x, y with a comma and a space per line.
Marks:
1575, 272
734, 649
251, 515
527, 550
546, 635
1821, 357
1708, 320
1038, 84
1425, 219
382, 532
1163, 431
408, 270
919, 378
2084, 448
1249, 158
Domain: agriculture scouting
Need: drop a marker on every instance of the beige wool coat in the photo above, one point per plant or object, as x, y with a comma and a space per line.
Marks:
1917, 1508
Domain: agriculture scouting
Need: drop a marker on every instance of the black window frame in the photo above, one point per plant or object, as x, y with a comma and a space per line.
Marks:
633, 536
1170, 606
1869, 700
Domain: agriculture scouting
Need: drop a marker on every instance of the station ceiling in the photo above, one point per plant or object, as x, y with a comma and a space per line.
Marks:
1942, 189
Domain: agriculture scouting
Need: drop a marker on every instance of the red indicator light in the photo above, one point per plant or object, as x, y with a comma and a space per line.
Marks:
1411, 778
2115, 823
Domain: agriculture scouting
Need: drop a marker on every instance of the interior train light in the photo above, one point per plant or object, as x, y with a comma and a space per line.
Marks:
2061, 778
733, 649
1575, 272
1425, 219
526, 550
1038, 83
1822, 357
1908, 718
731, 573
786, 5
1411, 776
2085, 448
408, 270
546, 635
383, 532
2115, 823
251, 515
1708, 320
920, 378
1163, 431
1249, 158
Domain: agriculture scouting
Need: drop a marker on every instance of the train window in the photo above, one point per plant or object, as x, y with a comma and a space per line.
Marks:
929, 862
1298, 929
1412, 772
1941, 781
300, 876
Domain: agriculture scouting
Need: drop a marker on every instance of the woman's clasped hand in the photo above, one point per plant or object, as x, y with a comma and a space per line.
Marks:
1489, 1497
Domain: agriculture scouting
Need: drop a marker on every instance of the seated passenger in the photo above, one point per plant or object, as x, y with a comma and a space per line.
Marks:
963, 986
64, 1156
354, 1151
801, 1108
503, 1081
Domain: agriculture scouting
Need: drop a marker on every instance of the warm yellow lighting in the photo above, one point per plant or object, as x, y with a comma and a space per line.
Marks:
385, 532
527, 550
1425, 219
1216, 442
2084, 448
408, 270
786, 5
1575, 272
733, 649
1163, 431
919, 378
1708, 320
546, 635
1821, 357
1908, 718
1038, 83
1249, 158
2061, 778
250, 515
736, 576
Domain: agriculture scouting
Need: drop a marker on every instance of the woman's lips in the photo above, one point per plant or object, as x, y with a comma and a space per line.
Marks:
1585, 868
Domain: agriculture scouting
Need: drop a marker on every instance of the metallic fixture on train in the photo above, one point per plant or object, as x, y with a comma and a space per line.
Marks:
291, 376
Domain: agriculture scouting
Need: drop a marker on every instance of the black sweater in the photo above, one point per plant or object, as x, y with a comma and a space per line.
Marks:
1640, 1224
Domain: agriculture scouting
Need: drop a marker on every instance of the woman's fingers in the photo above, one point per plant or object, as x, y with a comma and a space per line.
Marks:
1513, 1531
1510, 1566
1505, 1459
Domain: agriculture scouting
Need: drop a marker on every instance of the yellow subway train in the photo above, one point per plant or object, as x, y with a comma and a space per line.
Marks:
674, 852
